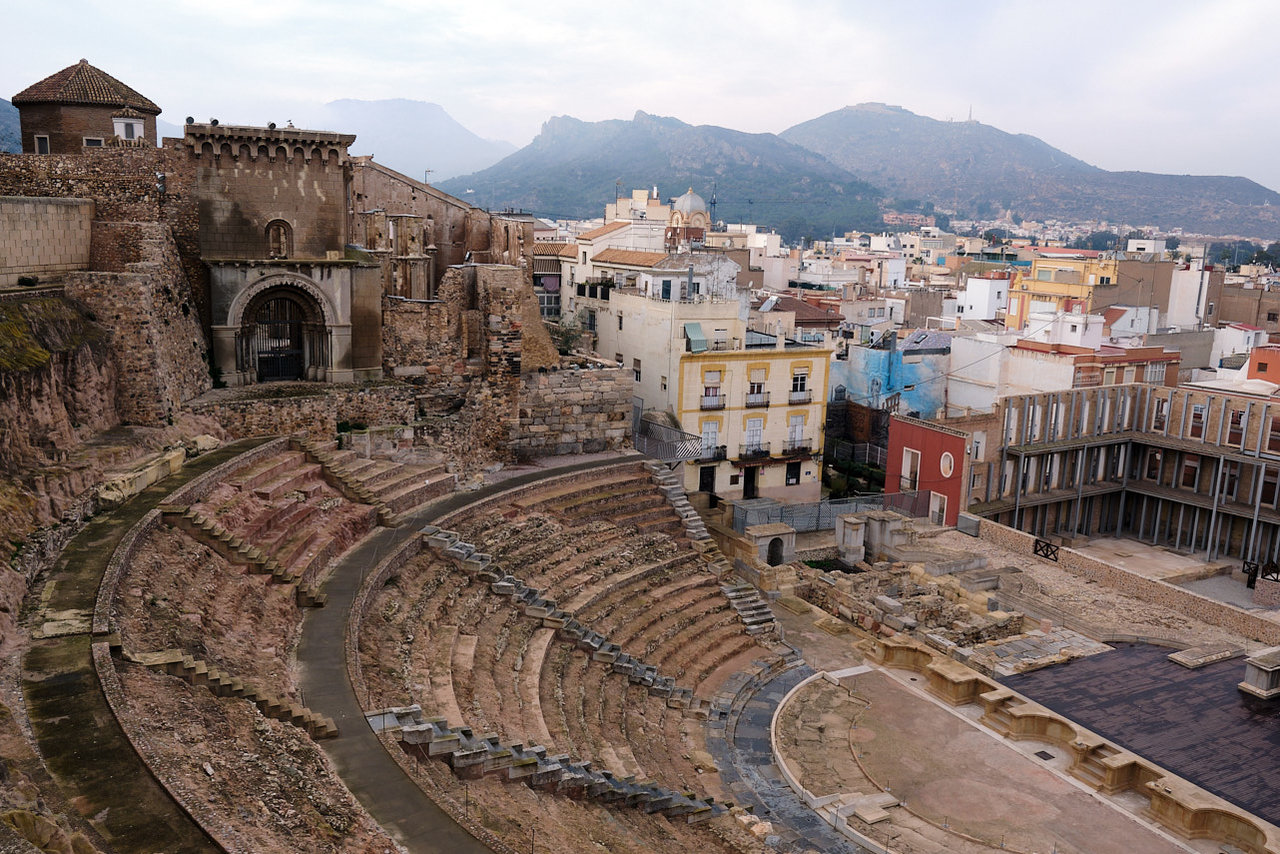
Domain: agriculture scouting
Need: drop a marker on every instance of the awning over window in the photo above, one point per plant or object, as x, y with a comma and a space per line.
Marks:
697, 341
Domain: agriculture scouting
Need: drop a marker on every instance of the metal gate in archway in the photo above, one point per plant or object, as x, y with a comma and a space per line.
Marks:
280, 342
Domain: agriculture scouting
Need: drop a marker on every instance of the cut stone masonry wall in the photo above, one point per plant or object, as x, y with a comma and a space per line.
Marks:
574, 412
43, 237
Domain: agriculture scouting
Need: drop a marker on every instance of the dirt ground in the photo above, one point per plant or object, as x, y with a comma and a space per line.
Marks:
264, 778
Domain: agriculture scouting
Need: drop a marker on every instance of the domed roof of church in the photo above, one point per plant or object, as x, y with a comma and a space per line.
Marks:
689, 203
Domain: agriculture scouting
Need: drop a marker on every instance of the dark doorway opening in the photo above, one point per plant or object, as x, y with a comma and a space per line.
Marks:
775, 551
750, 489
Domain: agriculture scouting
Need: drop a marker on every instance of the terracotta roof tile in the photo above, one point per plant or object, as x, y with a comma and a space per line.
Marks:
630, 257
557, 248
608, 228
83, 84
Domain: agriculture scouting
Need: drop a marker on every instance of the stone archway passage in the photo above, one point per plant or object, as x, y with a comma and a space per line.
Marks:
283, 337
775, 551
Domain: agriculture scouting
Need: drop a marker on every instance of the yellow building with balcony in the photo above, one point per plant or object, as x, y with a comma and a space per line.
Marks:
1060, 280
758, 402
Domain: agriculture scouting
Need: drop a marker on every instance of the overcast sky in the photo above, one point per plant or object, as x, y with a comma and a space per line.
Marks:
1169, 86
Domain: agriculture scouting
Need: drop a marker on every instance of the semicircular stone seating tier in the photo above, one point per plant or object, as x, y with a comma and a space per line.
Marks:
576, 617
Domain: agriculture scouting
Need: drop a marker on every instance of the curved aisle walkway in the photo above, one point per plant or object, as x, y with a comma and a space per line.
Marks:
83, 746
372, 775
742, 750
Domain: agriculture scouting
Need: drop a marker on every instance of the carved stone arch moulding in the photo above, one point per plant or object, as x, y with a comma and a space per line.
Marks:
235, 316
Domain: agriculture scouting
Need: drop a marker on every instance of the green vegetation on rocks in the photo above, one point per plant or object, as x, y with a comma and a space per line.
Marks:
32, 330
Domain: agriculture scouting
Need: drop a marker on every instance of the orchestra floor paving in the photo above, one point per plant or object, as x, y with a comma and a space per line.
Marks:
1194, 723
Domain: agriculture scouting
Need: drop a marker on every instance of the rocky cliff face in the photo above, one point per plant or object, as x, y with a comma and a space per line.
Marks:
57, 381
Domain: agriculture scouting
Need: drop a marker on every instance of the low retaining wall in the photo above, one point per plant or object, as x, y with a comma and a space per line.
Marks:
314, 410
369, 588
1147, 589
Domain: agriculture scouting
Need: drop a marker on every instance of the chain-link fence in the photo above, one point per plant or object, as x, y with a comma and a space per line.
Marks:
821, 515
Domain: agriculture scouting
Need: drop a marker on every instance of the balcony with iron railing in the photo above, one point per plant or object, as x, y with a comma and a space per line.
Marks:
800, 397
713, 453
753, 450
713, 401
758, 400
798, 446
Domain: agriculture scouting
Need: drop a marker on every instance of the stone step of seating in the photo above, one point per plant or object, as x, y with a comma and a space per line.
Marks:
350, 488
177, 663
304, 478
269, 528
755, 613
472, 757
220, 540
568, 629
597, 481
420, 491
267, 470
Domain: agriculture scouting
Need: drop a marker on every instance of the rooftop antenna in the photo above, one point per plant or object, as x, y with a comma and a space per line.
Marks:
971, 112
712, 203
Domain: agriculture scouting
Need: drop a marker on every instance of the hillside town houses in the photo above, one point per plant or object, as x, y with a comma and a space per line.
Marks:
927, 347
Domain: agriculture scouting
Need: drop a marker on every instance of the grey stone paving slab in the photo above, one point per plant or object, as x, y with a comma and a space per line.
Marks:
745, 757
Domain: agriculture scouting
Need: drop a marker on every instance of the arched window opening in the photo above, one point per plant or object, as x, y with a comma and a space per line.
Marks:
279, 239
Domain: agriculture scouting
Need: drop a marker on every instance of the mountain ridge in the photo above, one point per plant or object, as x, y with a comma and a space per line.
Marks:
10, 128
979, 169
416, 138
572, 168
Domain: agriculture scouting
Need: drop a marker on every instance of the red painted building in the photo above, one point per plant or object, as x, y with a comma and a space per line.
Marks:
928, 458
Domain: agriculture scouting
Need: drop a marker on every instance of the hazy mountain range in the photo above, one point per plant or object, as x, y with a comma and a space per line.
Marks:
818, 177
980, 170
827, 175
573, 168
410, 137
10, 136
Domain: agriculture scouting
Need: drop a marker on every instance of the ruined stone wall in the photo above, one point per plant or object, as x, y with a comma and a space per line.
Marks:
421, 339
449, 228
574, 412
125, 185
143, 296
1147, 589
312, 410
43, 238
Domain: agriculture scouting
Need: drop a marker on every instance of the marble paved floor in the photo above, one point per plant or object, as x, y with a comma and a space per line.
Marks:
1192, 722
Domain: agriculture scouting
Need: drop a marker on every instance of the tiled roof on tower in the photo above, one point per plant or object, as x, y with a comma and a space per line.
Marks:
84, 84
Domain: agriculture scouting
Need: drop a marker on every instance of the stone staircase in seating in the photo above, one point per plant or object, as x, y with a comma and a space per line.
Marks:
238, 552
471, 756
394, 488
745, 599
755, 613
672, 487
482, 568
177, 663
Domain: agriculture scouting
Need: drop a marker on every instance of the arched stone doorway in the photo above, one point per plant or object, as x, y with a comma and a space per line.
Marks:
776, 550
283, 336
